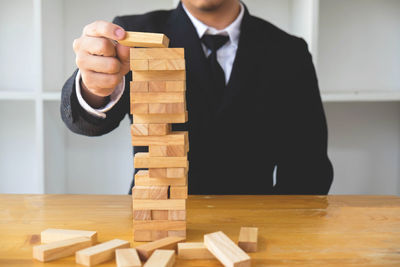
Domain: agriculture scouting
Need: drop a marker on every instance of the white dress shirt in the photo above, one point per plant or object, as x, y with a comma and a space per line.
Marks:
225, 57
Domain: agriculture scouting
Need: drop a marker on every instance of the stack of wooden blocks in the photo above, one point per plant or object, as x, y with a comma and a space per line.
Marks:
157, 97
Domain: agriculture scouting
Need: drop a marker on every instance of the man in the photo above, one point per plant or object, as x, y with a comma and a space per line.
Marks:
252, 96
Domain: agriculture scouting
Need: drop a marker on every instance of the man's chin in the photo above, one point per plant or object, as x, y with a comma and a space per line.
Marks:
208, 5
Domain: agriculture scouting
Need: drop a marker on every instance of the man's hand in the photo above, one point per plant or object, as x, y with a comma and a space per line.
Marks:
102, 61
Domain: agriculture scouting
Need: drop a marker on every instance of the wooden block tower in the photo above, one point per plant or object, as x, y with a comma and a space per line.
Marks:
157, 98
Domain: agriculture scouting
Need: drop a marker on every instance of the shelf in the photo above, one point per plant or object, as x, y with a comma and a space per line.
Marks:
15, 95
51, 96
360, 96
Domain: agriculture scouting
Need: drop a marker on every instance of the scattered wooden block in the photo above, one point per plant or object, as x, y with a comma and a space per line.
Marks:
159, 214
139, 86
159, 225
176, 172
178, 192
159, 75
143, 160
177, 215
161, 258
157, 129
60, 249
151, 204
140, 215
225, 250
174, 138
161, 118
150, 192
149, 235
194, 251
144, 39
139, 129
146, 250
127, 257
157, 53
139, 108
157, 97
53, 235
142, 178
100, 253
166, 64
139, 64
167, 108
179, 233
248, 239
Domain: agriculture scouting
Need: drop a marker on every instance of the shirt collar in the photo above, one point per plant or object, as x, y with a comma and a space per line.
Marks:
232, 30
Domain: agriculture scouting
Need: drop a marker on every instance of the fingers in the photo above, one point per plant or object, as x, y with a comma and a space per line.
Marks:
100, 84
108, 65
106, 29
95, 45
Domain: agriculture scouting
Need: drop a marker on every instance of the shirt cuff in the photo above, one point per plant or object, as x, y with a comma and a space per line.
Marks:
99, 112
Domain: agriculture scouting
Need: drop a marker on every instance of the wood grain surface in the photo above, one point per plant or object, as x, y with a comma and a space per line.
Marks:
293, 230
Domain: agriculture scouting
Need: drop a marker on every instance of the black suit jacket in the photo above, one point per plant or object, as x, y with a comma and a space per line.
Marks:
271, 113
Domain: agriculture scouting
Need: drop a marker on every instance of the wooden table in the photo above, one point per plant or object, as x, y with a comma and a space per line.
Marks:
294, 230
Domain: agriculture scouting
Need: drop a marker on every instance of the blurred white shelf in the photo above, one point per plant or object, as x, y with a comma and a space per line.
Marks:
361, 96
51, 96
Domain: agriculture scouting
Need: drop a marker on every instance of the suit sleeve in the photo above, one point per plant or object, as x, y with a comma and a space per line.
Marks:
79, 121
303, 166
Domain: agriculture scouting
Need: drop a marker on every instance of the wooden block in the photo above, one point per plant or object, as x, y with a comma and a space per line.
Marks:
167, 86
127, 257
248, 239
194, 251
156, 204
157, 53
60, 249
178, 192
149, 192
100, 253
168, 108
161, 258
177, 215
139, 86
159, 129
139, 64
159, 214
146, 250
166, 64
168, 151
138, 129
143, 160
161, 118
159, 75
157, 151
139, 108
53, 235
159, 225
142, 178
174, 138
175, 172
139, 215
158, 86
144, 39
175, 86
158, 172
148, 235
158, 97
180, 233
225, 250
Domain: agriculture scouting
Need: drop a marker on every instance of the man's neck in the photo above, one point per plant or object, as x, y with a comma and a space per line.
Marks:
218, 18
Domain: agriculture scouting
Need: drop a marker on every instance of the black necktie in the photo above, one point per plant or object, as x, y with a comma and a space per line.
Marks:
214, 42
